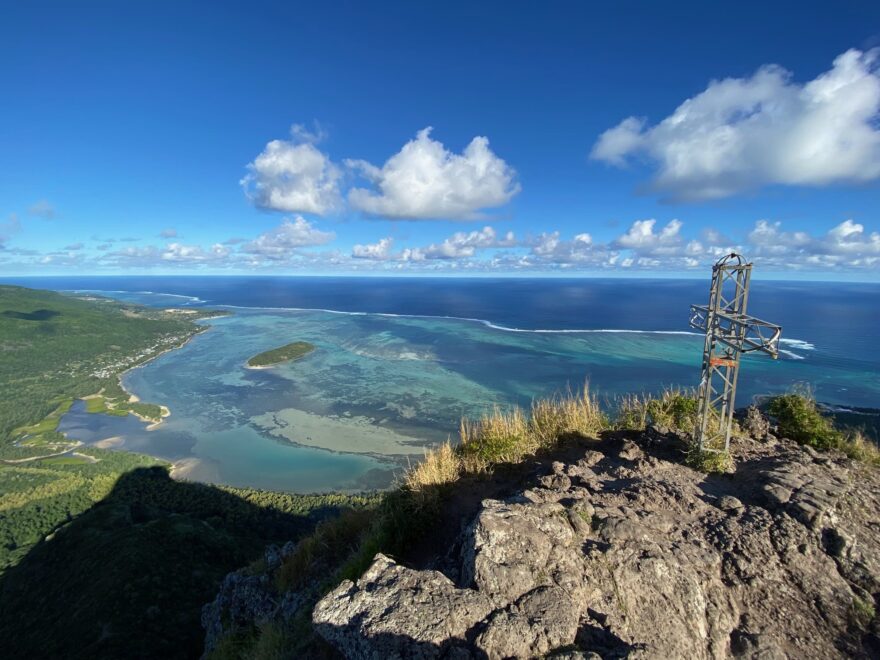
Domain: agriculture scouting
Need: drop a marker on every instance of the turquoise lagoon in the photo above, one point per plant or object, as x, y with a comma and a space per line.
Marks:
380, 388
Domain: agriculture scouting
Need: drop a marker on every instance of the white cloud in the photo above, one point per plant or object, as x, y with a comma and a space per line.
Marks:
461, 245
293, 176
549, 248
465, 244
742, 133
291, 235
379, 251
190, 253
424, 180
168, 233
43, 209
641, 236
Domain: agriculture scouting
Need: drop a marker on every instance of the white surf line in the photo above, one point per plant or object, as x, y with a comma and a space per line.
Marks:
151, 293
794, 343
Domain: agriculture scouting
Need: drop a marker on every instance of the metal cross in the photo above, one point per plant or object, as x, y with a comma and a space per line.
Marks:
730, 332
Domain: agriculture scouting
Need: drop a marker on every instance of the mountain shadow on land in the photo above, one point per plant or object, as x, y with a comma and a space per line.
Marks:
128, 577
38, 315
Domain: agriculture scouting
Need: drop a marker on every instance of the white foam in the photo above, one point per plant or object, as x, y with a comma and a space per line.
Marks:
794, 343
798, 343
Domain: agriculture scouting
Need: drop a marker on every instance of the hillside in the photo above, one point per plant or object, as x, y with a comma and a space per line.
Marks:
599, 547
128, 577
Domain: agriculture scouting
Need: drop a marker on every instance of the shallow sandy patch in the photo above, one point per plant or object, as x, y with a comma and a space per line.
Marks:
110, 443
184, 468
354, 435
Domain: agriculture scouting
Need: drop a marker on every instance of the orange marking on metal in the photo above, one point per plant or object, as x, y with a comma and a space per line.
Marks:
721, 362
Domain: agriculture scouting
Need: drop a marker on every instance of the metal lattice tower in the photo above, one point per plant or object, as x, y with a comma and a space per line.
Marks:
730, 332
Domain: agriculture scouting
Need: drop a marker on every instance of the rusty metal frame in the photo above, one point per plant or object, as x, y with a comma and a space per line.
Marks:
730, 332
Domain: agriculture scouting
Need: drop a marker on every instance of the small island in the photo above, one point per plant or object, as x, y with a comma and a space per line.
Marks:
286, 353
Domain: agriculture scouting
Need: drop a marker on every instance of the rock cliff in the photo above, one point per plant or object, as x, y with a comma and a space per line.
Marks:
618, 549
626, 552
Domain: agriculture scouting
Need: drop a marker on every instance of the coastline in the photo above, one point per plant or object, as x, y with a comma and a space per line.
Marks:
165, 412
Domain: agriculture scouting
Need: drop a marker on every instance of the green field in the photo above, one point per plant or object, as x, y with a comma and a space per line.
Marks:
286, 353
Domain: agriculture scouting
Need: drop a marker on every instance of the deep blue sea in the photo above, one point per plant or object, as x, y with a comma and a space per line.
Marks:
399, 361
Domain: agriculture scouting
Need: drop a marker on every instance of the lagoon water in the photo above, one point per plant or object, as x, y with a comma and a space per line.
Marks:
400, 361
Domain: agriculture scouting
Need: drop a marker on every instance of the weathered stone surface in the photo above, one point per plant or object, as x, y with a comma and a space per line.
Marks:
541, 620
512, 548
635, 555
396, 612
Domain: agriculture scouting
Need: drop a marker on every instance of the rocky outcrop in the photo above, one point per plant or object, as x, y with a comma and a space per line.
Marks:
248, 598
626, 552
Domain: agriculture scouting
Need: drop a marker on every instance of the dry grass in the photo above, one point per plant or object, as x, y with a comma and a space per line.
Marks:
441, 466
568, 414
632, 412
500, 436
855, 445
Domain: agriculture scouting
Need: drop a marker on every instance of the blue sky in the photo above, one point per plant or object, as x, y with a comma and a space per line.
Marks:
446, 138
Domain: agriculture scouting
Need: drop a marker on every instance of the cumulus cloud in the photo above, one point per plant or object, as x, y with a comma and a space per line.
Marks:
168, 233
293, 176
743, 133
550, 248
379, 251
465, 244
42, 209
461, 245
846, 245
424, 180
291, 235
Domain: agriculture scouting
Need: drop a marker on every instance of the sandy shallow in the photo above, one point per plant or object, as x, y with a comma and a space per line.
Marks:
194, 469
355, 435
110, 443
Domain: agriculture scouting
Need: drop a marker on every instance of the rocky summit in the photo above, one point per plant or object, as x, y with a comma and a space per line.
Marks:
621, 550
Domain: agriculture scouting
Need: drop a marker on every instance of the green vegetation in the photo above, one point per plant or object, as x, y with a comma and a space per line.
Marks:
128, 577
862, 612
56, 348
286, 353
709, 461
673, 408
799, 418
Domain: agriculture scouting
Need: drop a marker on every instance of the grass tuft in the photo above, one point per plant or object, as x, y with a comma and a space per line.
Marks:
440, 466
709, 461
674, 408
799, 418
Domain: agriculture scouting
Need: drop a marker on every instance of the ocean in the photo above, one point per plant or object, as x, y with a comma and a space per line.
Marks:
400, 360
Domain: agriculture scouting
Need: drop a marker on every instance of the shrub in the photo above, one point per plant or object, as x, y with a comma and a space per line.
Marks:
673, 408
800, 419
709, 461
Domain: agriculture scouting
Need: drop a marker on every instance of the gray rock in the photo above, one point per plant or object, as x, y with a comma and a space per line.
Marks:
558, 482
396, 612
640, 557
631, 451
754, 423
729, 503
541, 620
